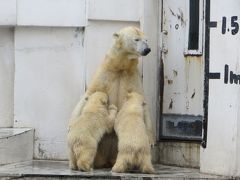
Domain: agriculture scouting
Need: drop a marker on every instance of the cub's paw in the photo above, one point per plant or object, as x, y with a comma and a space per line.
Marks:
72, 166
84, 166
148, 170
118, 169
112, 107
151, 142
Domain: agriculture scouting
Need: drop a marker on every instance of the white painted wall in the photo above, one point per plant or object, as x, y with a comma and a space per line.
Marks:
8, 12
222, 153
43, 13
6, 76
238, 134
150, 64
51, 13
122, 10
49, 80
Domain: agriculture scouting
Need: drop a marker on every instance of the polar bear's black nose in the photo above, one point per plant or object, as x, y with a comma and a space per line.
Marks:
146, 51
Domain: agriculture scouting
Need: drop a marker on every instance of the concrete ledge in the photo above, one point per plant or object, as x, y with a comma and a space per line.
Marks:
59, 170
16, 145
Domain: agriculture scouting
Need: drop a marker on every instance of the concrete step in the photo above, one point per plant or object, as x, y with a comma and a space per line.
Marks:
46, 169
16, 145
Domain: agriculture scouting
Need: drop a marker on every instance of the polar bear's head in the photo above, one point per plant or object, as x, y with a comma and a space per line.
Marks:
132, 41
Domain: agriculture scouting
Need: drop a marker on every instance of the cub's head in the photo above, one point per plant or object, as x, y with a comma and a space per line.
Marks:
135, 96
99, 97
131, 41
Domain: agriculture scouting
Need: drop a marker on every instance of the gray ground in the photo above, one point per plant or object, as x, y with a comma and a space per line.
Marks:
38, 169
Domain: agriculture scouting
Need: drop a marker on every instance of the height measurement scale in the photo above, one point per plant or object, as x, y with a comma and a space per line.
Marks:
229, 25
222, 107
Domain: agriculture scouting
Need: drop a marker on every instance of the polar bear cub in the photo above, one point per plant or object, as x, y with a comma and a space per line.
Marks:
133, 143
87, 129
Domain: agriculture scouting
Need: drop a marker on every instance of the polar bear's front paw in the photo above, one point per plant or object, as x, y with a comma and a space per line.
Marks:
112, 107
151, 142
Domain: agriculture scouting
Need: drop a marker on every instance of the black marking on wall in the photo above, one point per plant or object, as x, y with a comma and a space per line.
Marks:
229, 76
234, 78
212, 24
224, 25
170, 104
206, 78
214, 75
226, 69
234, 25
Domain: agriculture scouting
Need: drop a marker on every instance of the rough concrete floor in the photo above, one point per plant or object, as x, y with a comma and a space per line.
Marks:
38, 169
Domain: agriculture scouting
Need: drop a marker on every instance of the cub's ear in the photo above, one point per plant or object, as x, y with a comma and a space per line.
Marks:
116, 35
104, 102
129, 95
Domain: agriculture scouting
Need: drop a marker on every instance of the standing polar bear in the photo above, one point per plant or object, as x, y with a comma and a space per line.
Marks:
86, 130
133, 147
116, 76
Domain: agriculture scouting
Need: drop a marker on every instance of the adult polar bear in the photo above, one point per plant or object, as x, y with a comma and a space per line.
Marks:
117, 76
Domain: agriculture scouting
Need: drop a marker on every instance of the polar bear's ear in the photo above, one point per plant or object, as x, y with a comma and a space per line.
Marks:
116, 35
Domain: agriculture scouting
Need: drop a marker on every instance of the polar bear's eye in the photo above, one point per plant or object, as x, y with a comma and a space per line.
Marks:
137, 39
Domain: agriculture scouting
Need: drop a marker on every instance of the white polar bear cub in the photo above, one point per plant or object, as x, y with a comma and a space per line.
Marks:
133, 142
87, 129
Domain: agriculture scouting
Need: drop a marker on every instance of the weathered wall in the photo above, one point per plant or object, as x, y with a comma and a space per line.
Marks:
183, 74
179, 154
6, 76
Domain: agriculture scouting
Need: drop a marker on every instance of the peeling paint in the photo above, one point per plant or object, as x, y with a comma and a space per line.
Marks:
171, 104
176, 26
193, 95
170, 81
175, 72
172, 12
181, 17
41, 151
187, 104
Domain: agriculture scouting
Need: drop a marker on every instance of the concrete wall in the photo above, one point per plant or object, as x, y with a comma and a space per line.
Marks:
179, 154
6, 76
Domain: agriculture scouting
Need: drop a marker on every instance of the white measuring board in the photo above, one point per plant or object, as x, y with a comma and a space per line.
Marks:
222, 153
